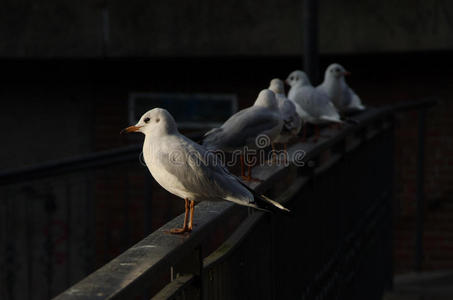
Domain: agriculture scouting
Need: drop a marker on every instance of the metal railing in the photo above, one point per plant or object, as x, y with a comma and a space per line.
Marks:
51, 218
336, 245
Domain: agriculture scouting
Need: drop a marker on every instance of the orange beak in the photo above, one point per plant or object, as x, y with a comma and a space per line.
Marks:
130, 129
346, 73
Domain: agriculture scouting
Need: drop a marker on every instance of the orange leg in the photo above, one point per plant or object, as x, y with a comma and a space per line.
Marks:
241, 158
184, 227
192, 209
274, 154
286, 152
317, 133
304, 135
249, 175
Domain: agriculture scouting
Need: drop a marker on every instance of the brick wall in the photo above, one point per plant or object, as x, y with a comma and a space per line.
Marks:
438, 234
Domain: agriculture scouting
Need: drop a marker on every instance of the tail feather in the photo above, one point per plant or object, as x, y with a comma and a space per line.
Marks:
274, 203
264, 203
331, 119
211, 131
210, 138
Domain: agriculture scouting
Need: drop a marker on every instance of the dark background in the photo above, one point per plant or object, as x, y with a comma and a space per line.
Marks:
67, 69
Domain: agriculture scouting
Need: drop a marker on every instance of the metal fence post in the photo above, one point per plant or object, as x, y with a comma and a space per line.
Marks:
311, 59
420, 189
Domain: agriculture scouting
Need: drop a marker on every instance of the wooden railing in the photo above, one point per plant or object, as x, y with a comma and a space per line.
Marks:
336, 244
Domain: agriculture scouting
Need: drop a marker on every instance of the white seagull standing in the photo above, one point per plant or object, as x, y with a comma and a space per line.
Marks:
246, 127
292, 120
187, 170
341, 95
315, 106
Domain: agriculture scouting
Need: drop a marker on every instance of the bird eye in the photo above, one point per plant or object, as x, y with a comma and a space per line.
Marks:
291, 78
157, 120
146, 120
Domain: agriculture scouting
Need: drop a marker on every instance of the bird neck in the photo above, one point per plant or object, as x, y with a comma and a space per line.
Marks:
147, 150
302, 84
332, 84
272, 105
332, 80
165, 127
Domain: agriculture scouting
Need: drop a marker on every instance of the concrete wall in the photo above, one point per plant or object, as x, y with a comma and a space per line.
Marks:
139, 28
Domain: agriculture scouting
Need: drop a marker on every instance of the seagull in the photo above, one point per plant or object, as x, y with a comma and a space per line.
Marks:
185, 168
292, 121
341, 95
315, 106
246, 127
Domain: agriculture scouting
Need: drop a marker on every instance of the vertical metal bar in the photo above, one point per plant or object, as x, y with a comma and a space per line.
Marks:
148, 203
390, 203
10, 278
105, 29
127, 238
69, 232
49, 243
90, 224
420, 179
311, 58
29, 211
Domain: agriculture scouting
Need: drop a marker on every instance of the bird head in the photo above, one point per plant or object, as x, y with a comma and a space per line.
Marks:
154, 120
297, 78
277, 86
266, 98
336, 71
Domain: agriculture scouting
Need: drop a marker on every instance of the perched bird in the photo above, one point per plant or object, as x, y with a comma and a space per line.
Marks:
341, 95
185, 168
314, 105
246, 127
292, 122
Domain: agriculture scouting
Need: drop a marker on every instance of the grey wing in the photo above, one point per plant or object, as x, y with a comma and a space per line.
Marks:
310, 101
347, 95
237, 131
290, 117
215, 138
319, 106
322, 88
356, 102
202, 173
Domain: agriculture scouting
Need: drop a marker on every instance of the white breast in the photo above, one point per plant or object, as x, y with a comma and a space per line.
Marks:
167, 180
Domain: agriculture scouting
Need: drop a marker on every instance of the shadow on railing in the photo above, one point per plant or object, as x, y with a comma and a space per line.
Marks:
336, 245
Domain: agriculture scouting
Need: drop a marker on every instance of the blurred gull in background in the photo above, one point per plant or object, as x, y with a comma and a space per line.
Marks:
291, 119
313, 105
341, 95
254, 127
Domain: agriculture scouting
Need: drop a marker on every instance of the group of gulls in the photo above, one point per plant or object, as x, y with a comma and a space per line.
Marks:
185, 168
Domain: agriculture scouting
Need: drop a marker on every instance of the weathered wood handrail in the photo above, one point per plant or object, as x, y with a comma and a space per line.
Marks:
141, 270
